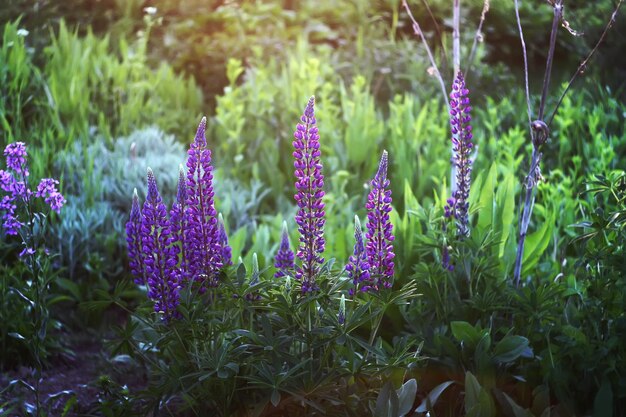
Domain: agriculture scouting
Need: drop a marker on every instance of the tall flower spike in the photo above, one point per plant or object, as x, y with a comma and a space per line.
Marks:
309, 186
202, 243
226, 256
358, 266
284, 261
177, 223
341, 316
462, 145
133, 240
160, 253
379, 234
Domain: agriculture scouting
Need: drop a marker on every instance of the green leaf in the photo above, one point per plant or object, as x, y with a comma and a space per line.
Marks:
465, 332
472, 391
505, 202
275, 398
510, 348
603, 403
486, 200
406, 396
387, 403
517, 410
432, 397
536, 244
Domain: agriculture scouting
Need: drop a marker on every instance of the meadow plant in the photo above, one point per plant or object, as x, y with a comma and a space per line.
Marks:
379, 246
160, 254
284, 260
22, 216
309, 186
202, 240
358, 266
462, 145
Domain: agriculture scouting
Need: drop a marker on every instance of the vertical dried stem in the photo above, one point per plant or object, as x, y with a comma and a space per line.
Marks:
456, 36
521, 37
418, 31
478, 34
539, 134
583, 65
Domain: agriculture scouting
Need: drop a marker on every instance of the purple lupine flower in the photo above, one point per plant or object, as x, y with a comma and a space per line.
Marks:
309, 186
133, 240
341, 316
177, 223
202, 243
284, 261
462, 146
160, 253
358, 267
13, 181
15, 154
47, 190
226, 252
379, 234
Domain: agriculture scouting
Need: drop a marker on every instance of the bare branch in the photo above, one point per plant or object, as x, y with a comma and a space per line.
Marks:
444, 58
418, 31
456, 36
477, 37
521, 37
583, 65
558, 15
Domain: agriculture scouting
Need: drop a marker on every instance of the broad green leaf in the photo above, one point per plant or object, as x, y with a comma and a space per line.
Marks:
465, 332
505, 201
406, 396
603, 403
472, 391
510, 348
536, 244
432, 397
486, 201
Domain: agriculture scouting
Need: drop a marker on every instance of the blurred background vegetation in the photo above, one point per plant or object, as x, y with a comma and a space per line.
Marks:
100, 89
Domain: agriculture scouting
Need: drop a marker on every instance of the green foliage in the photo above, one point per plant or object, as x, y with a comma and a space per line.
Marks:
276, 352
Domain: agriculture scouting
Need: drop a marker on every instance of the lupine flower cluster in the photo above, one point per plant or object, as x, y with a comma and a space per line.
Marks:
379, 234
358, 266
14, 182
284, 261
462, 145
202, 241
186, 247
309, 186
160, 253
371, 259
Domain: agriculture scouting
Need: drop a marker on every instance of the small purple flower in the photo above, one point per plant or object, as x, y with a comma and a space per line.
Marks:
27, 252
379, 234
160, 253
133, 240
309, 186
358, 266
226, 255
462, 146
341, 316
13, 182
202, 242
15, 154
284, 261
47, 190
177, 223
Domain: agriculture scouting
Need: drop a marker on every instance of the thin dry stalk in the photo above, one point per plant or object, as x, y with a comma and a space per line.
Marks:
477, 37
418, 31
583, 65
456, 36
